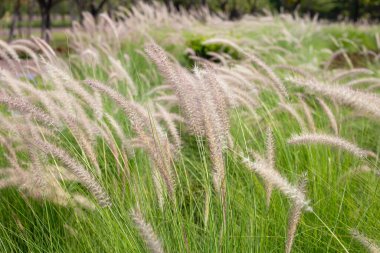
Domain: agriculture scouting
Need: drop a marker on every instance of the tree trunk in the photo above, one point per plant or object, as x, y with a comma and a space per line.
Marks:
253, 7
234, 13
16, 13
80, 7
45, 24
12, 27
223, 5
45, 8
95, 10
355, 10
19, 24
30, 18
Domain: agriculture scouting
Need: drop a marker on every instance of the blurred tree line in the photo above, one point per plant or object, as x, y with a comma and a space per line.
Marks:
328, 9
21, 13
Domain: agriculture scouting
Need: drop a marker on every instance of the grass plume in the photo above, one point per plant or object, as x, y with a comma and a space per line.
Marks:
330, 140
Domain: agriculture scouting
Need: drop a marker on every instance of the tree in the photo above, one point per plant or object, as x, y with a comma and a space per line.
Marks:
92, 6
15, 16
30, 13
355, 10
5, 6
45, 10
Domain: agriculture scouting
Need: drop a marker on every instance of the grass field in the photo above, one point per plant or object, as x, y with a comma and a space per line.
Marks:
258, 135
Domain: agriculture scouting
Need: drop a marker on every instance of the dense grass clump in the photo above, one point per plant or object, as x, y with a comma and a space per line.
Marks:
162, 133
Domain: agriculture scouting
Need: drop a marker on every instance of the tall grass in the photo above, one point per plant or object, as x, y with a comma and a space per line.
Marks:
137, 143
